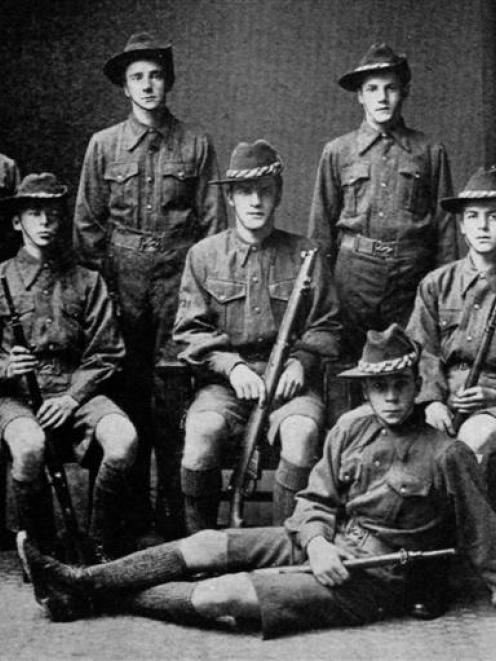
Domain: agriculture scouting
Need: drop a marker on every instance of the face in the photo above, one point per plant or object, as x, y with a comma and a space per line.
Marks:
392, 396
145, 85
478, 225
381, 96
39, 224
254, 203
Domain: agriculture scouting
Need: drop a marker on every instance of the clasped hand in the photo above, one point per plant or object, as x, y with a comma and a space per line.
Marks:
247, 384
54, 412
466, 401
326, 562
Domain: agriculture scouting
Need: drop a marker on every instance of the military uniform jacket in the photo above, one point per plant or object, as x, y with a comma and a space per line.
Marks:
152, 181
68, 320
385, 187
233, 296
410, 486
449, 318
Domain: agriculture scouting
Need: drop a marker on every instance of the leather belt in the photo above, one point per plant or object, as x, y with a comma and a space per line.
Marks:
365, 246
146, 241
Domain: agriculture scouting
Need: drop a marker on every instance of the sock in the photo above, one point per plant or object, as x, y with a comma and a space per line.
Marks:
170, 602
201, 491
289, 479
107, 511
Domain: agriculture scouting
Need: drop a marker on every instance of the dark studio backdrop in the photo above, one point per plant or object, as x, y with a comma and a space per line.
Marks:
246, 69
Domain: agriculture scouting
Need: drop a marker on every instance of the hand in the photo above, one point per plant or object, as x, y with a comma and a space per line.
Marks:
326, 562
473, 399
291, 380
246, 383
438, 415
55, 411
21, 361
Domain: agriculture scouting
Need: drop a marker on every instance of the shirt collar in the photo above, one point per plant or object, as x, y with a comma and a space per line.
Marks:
245, 249
469, 275
134, 130
367, 136
29, 267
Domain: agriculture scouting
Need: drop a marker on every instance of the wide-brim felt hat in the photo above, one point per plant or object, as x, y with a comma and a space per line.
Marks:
481, 186
380, 58
141, 46
40, 187
385, 352
251, 161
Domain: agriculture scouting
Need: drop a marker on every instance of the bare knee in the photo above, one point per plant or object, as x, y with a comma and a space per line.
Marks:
231, 594
26, 441
479, 433
204, 434
117, 436
299, 440
205, 550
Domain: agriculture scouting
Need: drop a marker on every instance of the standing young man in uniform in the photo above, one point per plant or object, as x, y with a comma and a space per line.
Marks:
143, 200
234, 292
74, 349
449, 319
386, 481
376, 202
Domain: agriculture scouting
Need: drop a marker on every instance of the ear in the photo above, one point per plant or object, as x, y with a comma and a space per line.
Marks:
360, 95
229, 197
126, 90
16, 223
365, 391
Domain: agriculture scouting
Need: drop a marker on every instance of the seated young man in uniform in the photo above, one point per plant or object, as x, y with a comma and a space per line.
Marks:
449, 318
74, 348
386, 481
234, 292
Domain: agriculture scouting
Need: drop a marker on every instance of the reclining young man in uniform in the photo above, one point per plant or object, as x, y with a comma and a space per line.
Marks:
387, 480
74, 349
234, 292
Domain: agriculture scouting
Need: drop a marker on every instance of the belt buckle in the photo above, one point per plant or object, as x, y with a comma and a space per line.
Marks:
383, 250
150, 243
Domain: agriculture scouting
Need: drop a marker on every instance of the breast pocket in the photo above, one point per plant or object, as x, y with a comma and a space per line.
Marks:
356, 182
68, 332
228, 302
179, 181
413, 194
122, 179
408, 503
279, 293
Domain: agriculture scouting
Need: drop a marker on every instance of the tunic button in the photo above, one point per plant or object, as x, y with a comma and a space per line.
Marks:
256, 308
119, 177
254, 248
383, 184
384, 432
402, 489
377, 462
381, 214
46, 292
255, 279
49, 321
260, 339
149, 207
222, 297
149, 179
476, 306
469, 338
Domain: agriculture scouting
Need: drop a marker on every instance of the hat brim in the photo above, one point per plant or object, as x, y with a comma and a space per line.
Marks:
115, 67
237, 180
457, 204
9, 205
357, 373
352, 80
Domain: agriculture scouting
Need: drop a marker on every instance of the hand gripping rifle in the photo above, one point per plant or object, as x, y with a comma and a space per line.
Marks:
401, 557
480, 358
246, 472
55, 467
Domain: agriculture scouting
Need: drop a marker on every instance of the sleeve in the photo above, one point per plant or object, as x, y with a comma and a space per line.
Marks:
202, 343
91, 211
209, 198
104, 346
473, 518
326, 204
322, 334
445, 223
318, 504
423, 327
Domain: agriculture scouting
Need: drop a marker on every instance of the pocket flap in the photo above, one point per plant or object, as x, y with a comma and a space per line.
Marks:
120, 172
409, 170
281, 290
179, 170
409, 484
356, 172
448, 318
225, 291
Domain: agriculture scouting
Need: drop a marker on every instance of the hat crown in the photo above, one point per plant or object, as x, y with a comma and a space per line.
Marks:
250, 156
388, 345
482, 180
144, 41
381, 53
42, 185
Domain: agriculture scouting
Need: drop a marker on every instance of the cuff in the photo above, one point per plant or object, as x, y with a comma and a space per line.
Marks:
314, 529
306, 358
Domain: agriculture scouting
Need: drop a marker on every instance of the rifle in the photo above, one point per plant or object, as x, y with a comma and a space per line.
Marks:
248, 467
54, 465
478, 364
401, 557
